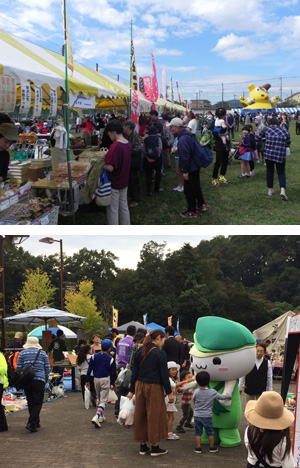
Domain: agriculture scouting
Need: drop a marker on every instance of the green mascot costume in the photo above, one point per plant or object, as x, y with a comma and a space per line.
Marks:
226, 350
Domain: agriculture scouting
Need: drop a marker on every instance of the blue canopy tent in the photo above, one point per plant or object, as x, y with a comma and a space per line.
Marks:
288, 110
154, 326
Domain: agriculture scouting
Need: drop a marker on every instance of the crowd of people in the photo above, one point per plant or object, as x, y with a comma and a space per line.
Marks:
159, 370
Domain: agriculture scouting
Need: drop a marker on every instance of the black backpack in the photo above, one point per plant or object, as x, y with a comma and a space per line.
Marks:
153, 147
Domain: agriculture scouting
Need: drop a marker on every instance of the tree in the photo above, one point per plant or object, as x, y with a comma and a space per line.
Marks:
82, 303
37, 291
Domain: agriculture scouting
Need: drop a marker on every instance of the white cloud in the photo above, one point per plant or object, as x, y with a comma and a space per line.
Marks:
168, 52
234, 48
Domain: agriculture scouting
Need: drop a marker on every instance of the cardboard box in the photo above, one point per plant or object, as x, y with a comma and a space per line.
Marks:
35, 173
72, 359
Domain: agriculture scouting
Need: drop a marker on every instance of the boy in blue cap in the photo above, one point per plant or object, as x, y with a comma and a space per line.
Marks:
104, 369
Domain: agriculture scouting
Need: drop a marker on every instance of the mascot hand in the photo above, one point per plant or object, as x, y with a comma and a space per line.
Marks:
274, 99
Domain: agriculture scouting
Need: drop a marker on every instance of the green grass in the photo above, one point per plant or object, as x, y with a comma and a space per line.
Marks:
240, 202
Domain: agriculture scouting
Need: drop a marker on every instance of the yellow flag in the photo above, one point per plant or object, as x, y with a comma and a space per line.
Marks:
115, 318
67, 37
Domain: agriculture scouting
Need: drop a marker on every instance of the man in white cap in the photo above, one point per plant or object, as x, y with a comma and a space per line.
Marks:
34, 389
18, 341
189, 169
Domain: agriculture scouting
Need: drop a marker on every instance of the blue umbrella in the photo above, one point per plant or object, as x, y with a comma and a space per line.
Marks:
38, 332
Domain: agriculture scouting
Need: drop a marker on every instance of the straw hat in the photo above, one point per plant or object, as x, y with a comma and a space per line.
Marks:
268, 412
32, 342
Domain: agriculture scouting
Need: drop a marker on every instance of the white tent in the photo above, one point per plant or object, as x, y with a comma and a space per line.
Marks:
275, 331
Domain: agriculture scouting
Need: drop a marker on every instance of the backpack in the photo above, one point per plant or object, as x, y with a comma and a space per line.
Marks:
202, 156
153, 147
11, 375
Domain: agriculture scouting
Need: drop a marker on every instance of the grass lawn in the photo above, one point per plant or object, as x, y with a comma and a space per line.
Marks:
240, 202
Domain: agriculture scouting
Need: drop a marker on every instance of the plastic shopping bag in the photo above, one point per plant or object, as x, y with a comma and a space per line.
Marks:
112, 395
87, 398
126, 414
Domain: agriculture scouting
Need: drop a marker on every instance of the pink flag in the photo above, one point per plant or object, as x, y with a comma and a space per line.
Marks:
146, 87
155, 83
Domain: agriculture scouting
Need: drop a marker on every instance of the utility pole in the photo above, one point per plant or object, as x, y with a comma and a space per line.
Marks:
281, 88
222, 95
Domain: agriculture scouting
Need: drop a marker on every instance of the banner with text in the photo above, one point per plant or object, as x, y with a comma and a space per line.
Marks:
134, 84
155, 83
38, 101
25, 98
82, 101
53, 103
7, 94
146, 87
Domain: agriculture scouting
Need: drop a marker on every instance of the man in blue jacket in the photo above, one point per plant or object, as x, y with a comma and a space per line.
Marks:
189, 169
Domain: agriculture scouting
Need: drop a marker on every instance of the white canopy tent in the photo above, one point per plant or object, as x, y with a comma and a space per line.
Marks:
275, 331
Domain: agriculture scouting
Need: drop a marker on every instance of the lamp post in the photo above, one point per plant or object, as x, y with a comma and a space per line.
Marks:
10, 240
50, 240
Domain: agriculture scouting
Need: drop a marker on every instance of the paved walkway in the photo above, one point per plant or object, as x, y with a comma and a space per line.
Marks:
67, 439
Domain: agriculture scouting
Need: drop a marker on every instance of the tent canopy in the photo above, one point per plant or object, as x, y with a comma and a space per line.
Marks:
38, 332
154, 326
44, 314
274, 331
123, 328
288, 110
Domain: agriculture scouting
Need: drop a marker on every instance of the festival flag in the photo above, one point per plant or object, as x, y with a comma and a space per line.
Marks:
155, 83
163, 84
115, 317
134, 85
171, 90
179, 98
178, 327
170, 321
68, 40
145, 317
145, 83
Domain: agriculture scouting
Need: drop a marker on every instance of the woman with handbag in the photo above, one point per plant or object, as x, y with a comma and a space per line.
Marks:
245, 155
33, 356
150, 383
3, 384
118, 160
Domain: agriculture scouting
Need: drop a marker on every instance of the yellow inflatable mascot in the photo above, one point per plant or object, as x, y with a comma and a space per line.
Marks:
259, 98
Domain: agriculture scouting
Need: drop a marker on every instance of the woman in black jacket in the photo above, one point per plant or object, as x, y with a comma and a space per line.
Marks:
150, 382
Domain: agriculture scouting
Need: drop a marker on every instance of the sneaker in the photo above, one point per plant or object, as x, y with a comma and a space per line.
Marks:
213, 449
189, 425
156, 451
102, 419
180, 189
197, 450
96, 421
242, 176
252, 173
224, 180
247, 176
176, 189
31, 428
202, 208
133, 204
144, 449
180, 429
189, 214
257, 161
215, 183
172, 436
284, 197
270, 192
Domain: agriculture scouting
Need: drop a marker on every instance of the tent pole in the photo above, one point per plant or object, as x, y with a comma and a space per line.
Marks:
66, 111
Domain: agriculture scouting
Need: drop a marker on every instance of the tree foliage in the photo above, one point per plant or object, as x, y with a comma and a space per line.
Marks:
37, 291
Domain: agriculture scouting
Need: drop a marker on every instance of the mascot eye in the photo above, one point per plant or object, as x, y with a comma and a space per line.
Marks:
216, 361
258, 90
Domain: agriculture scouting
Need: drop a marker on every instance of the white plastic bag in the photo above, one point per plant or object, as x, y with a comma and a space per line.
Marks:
126, 414
112, 395
87, 398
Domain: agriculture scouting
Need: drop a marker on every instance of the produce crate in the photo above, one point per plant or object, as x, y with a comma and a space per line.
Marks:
20, 155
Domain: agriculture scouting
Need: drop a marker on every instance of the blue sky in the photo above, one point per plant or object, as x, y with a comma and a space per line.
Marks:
202, 43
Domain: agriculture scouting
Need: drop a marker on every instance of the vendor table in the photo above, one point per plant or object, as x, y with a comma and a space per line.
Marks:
62, 193
68, 365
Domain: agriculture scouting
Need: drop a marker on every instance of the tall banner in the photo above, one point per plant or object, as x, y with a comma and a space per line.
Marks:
145, 83
155, 83
25, 97
115, 318
53, 103
171, 90
178, 327
134, 85
179, 98
38, 101
170, 321
8, 94
68, 40
145, 317
163, 84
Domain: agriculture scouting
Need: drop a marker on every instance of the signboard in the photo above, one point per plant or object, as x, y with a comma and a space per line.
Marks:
38, 101
82, 101
25, 97
53, 103
7, 94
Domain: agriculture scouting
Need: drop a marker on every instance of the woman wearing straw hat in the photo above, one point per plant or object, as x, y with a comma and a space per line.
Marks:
34, 390
267, 438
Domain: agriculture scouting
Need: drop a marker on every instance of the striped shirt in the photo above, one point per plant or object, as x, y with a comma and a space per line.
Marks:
41, 366
187, 397
277, 139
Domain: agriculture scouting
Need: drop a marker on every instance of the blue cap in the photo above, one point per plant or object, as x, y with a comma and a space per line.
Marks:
106, 344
